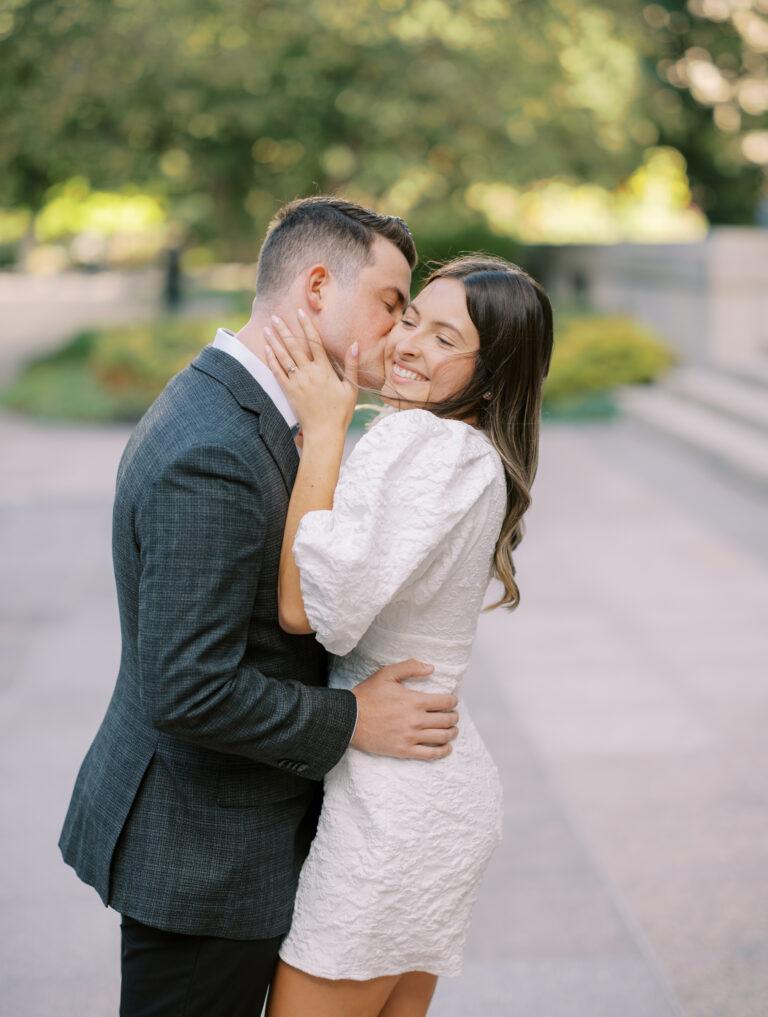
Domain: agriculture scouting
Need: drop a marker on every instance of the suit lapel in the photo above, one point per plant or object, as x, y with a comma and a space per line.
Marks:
274, 431
276, 435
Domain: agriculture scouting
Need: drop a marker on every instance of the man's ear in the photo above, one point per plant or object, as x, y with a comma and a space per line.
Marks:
317, 279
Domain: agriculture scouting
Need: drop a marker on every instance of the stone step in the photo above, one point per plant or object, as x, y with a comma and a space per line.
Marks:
739, 400
752, 368
739, 448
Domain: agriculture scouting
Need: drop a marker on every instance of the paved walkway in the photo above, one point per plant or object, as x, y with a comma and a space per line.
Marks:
625, 703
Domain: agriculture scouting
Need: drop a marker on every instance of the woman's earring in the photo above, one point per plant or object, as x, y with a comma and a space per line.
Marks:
486, 395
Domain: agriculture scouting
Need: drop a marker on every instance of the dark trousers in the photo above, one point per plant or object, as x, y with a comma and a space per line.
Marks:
167, 974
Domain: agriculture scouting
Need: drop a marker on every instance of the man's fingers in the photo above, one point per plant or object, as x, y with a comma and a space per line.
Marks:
409, 669
436, 702
438, 736
430, 752
450, 719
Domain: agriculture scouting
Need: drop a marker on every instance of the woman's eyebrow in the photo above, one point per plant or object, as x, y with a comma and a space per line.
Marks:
437, 324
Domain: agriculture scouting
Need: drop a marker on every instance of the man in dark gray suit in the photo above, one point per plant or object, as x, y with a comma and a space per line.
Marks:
198, 798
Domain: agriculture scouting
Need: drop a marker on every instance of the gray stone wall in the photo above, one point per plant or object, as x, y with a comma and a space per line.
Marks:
709, 299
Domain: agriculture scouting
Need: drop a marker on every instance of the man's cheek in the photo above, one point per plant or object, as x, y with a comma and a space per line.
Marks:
386, 325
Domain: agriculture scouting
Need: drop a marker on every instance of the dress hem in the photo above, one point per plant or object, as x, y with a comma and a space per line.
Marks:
430, 968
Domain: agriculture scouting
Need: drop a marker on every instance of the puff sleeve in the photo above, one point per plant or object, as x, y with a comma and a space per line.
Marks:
410, 479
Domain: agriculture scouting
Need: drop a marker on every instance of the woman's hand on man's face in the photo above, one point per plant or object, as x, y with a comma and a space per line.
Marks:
322, 400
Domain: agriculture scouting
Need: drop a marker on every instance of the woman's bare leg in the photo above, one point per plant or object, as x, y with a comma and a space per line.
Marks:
294, 993
411, 995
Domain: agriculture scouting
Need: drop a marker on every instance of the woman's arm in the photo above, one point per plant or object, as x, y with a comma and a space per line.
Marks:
324, 404
315, 483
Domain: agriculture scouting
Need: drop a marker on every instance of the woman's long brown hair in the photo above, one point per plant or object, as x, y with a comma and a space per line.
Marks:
503, 397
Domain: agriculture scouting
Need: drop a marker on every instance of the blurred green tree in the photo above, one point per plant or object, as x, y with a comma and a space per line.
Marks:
226, 108
709, 59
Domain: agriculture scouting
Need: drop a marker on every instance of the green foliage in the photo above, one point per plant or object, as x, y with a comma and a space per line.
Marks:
64, 391
225, 109
116, 374
109, 375
706, 65
594, 354
441, 245
139, 359
653, 204
72, 208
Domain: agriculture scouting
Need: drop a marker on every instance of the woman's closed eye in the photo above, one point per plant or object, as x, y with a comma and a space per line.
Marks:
445, 342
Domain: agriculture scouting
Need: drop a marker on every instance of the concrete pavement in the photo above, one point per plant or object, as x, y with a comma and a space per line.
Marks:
625, 702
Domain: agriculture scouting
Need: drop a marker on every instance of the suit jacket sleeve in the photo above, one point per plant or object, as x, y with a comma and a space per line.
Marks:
200, 530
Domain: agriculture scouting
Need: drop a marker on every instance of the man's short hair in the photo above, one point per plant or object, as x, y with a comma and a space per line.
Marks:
324, 229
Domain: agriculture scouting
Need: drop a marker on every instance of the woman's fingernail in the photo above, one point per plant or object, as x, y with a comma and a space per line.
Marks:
354, 349
275, 319
267, 332
301, 313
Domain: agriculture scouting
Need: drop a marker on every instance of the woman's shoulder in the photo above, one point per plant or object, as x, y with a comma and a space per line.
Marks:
419, 443
404, 426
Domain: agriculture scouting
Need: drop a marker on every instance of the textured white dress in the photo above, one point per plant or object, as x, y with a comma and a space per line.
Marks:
399, 568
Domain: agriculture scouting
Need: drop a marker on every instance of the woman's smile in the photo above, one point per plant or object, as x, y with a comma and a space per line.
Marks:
403, 373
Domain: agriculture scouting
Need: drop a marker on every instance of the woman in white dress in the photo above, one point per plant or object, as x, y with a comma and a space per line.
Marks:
390, 560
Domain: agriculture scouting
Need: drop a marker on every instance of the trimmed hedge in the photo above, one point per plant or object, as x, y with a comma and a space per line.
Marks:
594, 354
116, 373
109, 375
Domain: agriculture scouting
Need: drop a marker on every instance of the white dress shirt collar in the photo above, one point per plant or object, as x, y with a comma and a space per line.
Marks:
229, 343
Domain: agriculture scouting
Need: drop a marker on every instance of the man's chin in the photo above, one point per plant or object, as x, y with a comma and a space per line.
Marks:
370, 379
371, 373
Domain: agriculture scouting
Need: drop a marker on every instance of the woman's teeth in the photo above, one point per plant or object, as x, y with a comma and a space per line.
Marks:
401, 372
